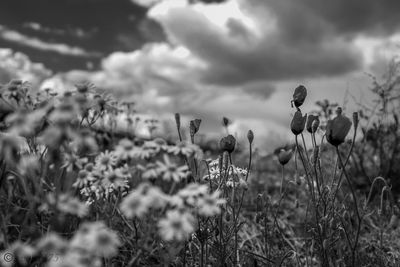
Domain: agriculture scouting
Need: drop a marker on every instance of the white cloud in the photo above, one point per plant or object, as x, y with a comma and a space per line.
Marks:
240, 59
14, 36
18, 66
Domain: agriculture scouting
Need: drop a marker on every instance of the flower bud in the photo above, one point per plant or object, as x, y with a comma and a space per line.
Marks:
194, 126
250, 136
225, 121
315, 125
178, 120
355, 119
284, 156
300, 94
298, 123
310, 121
337, 129
228, 143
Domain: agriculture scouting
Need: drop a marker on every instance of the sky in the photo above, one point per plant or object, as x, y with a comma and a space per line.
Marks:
204, 59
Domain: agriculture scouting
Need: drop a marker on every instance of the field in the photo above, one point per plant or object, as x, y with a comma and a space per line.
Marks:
76, 190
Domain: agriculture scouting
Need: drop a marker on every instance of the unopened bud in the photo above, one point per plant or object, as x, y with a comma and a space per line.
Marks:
178, 120
315, 125
250, 136
355, 120
225, 121
300, 94
298, 123
228, 143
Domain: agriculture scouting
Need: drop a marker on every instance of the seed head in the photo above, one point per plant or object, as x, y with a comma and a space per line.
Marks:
300, 94
178, 120
284, 156
315, 125
250, 136
310, 121
337, 129
228, 143
225, 121
298, 123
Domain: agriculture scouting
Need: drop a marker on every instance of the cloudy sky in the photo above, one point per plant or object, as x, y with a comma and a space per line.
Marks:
206, 59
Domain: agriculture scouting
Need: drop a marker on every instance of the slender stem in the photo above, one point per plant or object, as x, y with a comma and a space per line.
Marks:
282, 179
354, 248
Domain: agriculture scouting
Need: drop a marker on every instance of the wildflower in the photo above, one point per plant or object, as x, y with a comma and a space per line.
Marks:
114, 179
300, 94
150, 171
228, 143
310, 121
106, 160
171, 171
337, 129
192, 192
82, 179
52, 243
186, 149
71, 161
284, 156
209, 205
84, 87
125, 149
96, 238
143, 198
177, 226
298, 123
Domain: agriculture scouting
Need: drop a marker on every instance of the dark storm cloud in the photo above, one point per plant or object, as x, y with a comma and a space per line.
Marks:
98, 26
359, 16
283, 45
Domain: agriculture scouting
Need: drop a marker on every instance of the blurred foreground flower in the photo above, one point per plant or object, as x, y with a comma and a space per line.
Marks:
177, 226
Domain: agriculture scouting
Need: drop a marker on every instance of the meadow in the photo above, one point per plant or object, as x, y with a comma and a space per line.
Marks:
76, 190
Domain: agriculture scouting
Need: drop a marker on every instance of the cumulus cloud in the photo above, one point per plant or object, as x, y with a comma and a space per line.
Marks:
242, 58
15, 65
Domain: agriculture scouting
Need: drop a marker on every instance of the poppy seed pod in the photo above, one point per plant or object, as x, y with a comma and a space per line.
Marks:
194, 127
355, 119
310, 121
298, 123
178, 120
284, 156
250, 136
315, 125
228, 143
196, 124
300, 94
225, 121
337, 129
